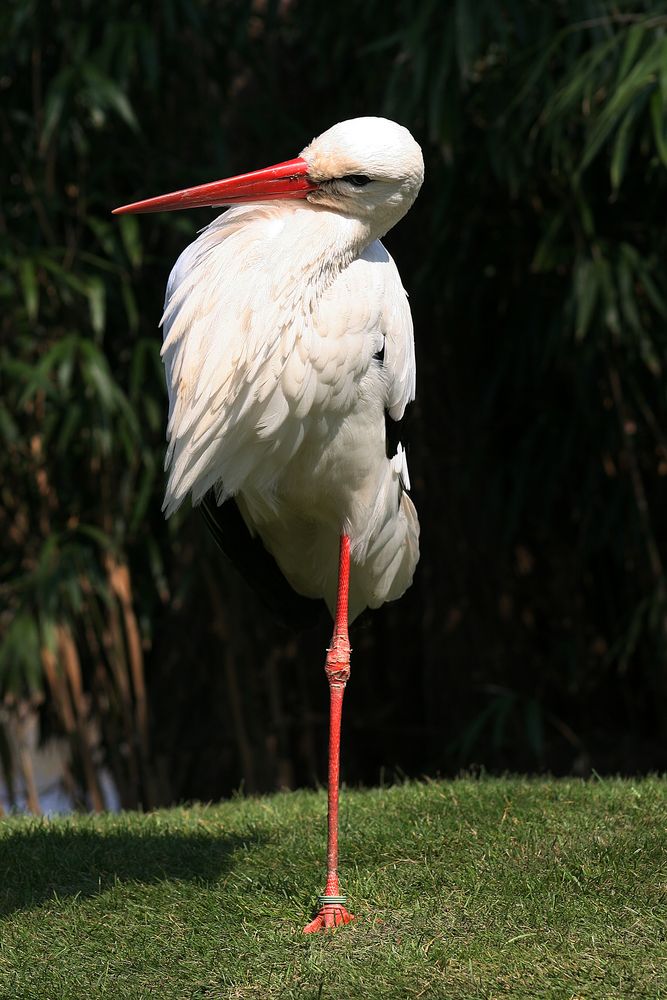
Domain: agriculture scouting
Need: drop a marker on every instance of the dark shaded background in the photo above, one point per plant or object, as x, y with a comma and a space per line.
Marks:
534, 636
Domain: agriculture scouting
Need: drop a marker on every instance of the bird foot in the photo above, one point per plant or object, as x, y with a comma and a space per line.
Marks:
329, 915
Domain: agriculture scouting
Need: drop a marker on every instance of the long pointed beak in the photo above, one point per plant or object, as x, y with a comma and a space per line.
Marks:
284, 180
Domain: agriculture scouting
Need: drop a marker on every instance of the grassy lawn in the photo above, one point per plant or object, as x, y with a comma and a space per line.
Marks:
470, 889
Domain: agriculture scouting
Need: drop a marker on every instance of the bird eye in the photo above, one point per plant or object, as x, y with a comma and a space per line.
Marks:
357, 180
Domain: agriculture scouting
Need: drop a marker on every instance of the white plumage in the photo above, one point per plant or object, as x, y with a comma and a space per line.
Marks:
287, 334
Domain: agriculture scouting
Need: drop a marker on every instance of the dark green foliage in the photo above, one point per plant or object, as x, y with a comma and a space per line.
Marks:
535, 635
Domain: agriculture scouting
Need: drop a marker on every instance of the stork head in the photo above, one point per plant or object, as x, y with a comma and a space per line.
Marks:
367, 168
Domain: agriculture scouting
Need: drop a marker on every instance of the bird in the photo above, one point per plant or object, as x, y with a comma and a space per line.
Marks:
287, 342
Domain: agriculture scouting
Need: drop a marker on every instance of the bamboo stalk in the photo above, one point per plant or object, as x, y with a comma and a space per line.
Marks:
106, 701
119, 576
24, 758
58, 690
115, 647
6, 756
70, 659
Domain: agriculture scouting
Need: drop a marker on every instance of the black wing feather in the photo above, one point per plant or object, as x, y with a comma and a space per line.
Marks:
257, 566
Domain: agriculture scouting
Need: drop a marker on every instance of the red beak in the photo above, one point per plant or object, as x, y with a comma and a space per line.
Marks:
284, 180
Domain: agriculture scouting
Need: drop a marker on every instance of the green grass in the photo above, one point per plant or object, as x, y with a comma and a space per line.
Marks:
492, 888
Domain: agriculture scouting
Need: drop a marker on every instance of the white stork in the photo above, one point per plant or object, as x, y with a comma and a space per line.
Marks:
287, 335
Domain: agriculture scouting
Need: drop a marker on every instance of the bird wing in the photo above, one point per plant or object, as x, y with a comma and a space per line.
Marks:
368, 301
252, 351
227, 335
399, 345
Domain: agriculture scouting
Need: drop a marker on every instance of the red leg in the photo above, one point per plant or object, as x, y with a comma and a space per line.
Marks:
332, 910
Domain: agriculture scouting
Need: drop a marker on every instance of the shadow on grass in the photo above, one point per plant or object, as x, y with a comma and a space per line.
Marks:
47, 862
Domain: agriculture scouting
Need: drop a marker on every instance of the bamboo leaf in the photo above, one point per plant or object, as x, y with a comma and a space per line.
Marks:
634, 39
8, 427
653, 293
608, 294
30, 287
586, 291
130, 303
54, 105
97, 372
621, 149
662, 75
658, 122
641, 78
129, 231
143, 495
626, 292
107, 93
96, 294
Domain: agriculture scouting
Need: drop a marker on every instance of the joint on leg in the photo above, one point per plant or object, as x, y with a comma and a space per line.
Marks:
337, 675
337, 665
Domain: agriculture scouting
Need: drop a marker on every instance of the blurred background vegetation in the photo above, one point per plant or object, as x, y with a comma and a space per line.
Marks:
535, 634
